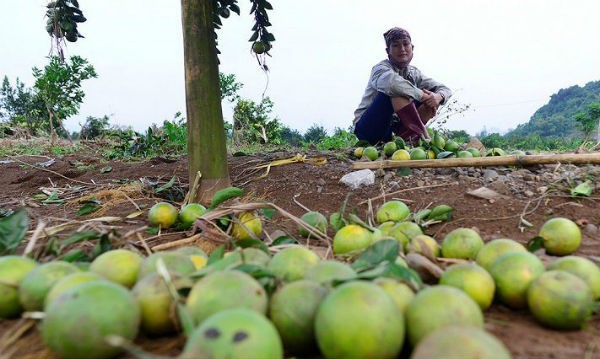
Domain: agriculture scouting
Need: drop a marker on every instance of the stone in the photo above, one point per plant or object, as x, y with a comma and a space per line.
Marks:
359, 178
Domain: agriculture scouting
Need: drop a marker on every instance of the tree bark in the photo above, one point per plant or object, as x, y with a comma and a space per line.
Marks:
207, 149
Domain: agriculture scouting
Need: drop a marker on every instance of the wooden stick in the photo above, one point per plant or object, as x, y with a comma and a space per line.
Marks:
177, 243
510, 160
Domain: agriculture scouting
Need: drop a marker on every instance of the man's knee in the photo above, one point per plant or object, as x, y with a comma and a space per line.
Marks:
399, 102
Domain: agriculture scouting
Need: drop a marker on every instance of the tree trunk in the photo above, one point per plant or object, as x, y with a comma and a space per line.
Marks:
207, 150
52, 132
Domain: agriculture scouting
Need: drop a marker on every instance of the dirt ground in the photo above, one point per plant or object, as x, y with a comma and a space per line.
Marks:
523, 196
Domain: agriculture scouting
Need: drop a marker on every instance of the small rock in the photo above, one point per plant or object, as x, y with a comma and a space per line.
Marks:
445, 171
475, 143
490, 174
380, 173
393, 185
420, 183
321, 182
591, 229
542, 189
528, 193
388, 176
359, 178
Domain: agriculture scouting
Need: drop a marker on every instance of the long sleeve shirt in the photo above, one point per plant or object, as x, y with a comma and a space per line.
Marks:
393, 81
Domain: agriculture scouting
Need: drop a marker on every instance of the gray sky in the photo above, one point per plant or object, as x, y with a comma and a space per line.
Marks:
504, 58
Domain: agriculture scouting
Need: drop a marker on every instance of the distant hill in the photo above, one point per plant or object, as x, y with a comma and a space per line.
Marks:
557, 117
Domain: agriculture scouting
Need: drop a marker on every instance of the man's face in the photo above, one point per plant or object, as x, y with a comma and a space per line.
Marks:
401, 50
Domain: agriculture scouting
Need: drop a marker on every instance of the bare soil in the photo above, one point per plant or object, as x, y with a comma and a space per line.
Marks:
525, 196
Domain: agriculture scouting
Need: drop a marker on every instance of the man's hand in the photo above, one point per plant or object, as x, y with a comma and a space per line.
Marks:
431, 99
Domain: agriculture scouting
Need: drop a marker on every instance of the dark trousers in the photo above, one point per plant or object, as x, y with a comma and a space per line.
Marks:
375, 124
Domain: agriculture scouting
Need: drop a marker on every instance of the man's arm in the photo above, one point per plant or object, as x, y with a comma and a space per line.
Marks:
440, 91
385, 79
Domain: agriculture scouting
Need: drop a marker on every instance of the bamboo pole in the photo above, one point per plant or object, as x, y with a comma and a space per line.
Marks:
510, 160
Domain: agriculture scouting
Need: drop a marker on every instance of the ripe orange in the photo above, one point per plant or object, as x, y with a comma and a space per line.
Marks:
291, 263
359, 320
404, 231
189, 213
583, 268
439, 306
351, 238
392, 211
371, 153
401, 155
209, 295
424, 244
292, 310
463, 342
248, 226
473, 280
560, 300
38, 282
494, 249
400, 293
69, 282
326, 271
513, 272
389, 148
358, 152
314, 219
561, 236
12, 271
118, 265
163, 214
77, 322
234, 333
418, 154
462, 243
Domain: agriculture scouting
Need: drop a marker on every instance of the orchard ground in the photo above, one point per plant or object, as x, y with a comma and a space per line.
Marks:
522, 197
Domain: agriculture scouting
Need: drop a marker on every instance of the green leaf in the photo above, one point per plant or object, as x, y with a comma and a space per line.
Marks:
582, 190
336, 221
53, 199
216, 255
186, 319
400, 144
596, 307
75, 255
446, 154
380, 251
87, 209
224, 194
283, 240
535, 243
440, 213
405, 274
80, 237
268, 212
166, 185
421, 215
255, 271
102, 246
404, 171
52, 248
252, 242
106, 169
234, 8
12, 231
